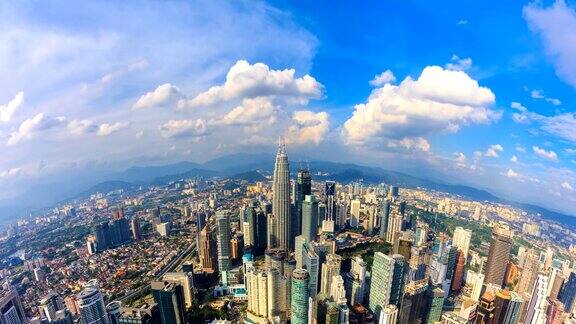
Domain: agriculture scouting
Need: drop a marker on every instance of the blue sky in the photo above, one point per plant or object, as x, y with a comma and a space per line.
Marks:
470, 92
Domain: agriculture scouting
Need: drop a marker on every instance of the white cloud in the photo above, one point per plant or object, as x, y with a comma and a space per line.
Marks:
566, 185
493, 150
438, 101
308, 127
459, 64
10, 173
411, 144
107, 129
556, 25
245, 80
8, 110
511, 173
163, 95
460, 159
184, 128
539, 94
562, 125
514, 159
520, 148
383, 78
252, 111
78, 127
30, 127
462, 22
549, 155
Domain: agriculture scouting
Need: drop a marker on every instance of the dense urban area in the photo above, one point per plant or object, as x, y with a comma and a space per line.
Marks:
284, 249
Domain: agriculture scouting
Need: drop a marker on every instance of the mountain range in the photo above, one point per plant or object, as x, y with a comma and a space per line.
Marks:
253, 167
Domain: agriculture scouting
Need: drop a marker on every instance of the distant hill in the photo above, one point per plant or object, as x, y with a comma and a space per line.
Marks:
106, 186
139, 174
250, 176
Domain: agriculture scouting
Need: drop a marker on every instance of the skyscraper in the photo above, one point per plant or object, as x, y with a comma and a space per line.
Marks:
11, 310
461, 240
330, 268
281, 199
207, 251
223, 243
387, 286
384, 217
458, 271
529, 272
91, 304
170, 299
498, 255
310, 218
184, 279
299, 296
436, 304
568, 293
330, 201
135, 228
302, 188
355, 206
536, 310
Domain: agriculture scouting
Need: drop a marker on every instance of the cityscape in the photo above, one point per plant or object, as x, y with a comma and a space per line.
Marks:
287, 248
287, 162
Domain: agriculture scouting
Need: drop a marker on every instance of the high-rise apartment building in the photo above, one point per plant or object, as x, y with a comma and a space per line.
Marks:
528, 273
223, 245
135, 229
461, 240
91, 304
281, 200
498, 255
330, 268
355, 206
207, 251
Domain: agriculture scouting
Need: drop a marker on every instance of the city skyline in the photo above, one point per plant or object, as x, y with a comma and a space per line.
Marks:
491, 108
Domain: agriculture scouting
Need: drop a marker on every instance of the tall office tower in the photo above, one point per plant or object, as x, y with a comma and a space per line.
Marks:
261, 233
11, 310
310, 218
102, 234
355, 281
302, 188
389, 315
330, 268
236, 244
299, 296
50, 304
394, 226
330, 201
249, 227
498, 255
461, 240
415, 302
170, 299
281, 199
529, 273
501, 304
184, 279
549, 256
207, 251
459, 269
355, 206
299, 243
384, 218
119, 231
311, 262
337, 291
436, 304
393, 192
536, 309
387, 281
113, 310
341, 215
555, 282
554, 311
403, 243
91, 304
277, 289
223, 244
568, 293
135, 228
515, 307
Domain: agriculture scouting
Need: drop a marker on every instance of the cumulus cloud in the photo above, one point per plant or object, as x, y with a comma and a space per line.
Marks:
245, 80
514, 159
459, 64
566, 185
549, 155
462, 22
460, 159
383, 78
556, 25
107, 129
308, 127
410, 143
511, 173
439, 100
493, 150
30, 127
8, 110
163, 95
78, 127
252, 111
184, 128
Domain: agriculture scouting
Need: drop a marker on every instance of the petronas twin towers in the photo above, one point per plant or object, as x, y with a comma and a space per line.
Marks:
281, 200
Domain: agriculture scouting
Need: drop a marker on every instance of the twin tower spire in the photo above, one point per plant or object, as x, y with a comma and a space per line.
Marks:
281, 200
